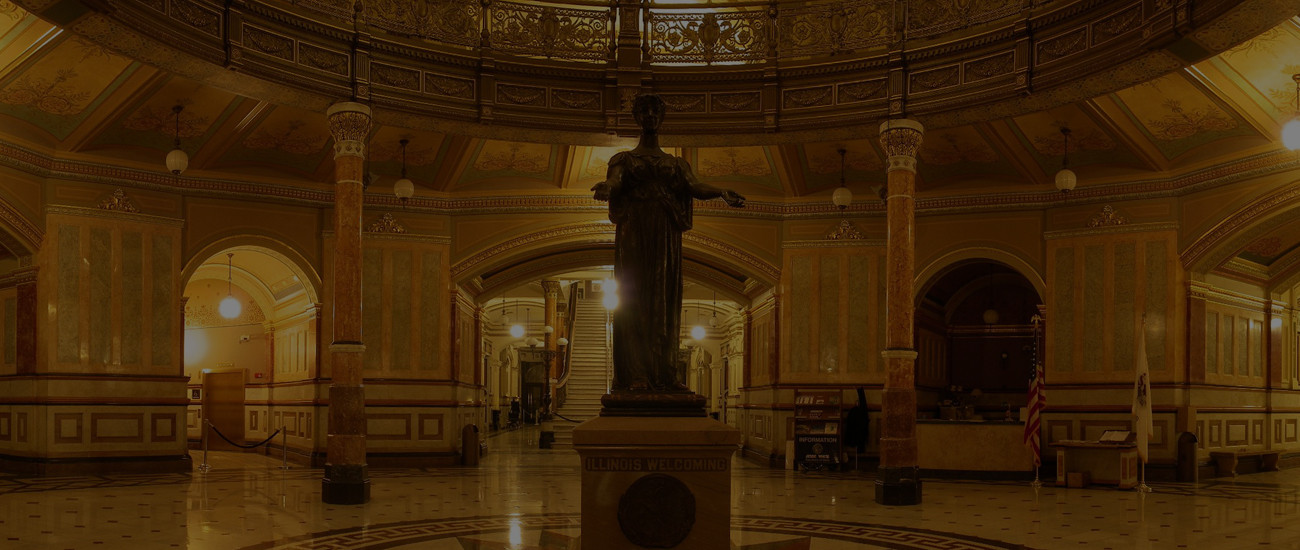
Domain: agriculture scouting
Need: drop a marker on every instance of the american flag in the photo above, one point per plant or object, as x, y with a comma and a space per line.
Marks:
1037, 401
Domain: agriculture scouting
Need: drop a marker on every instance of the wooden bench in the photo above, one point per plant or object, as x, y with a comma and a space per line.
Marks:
1225, 463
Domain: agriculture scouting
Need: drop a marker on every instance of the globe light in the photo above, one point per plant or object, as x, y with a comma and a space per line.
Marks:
229, 307
713, 321
517, 331
404, 189
698, 332
532, 342
548, 329
611, 301
990, 316
562, 342
1066, 180
177, 161
842, 197
1291, 134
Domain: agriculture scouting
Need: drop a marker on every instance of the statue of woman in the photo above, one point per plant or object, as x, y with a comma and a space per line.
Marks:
650, 195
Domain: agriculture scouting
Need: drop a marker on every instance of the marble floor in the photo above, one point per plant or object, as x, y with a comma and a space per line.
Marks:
524, 498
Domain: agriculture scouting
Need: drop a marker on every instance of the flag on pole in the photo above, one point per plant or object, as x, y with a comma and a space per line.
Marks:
1037, 400
1142, 397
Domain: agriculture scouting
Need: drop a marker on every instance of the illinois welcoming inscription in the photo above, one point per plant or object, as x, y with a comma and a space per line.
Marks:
607, 464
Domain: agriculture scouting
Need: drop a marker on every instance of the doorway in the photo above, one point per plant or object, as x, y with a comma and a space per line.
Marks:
223, 406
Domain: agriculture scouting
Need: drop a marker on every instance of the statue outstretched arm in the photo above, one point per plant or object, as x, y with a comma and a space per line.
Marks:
704, 192
613, 180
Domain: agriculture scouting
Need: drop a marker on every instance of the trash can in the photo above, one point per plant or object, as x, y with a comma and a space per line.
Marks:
469, 445
1187, 457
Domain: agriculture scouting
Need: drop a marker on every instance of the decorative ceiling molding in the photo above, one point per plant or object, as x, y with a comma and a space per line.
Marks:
42, 165
1132, 41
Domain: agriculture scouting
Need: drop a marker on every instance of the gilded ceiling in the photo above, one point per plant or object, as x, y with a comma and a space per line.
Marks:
59, 92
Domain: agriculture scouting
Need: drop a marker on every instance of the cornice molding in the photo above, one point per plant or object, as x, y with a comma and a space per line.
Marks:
1111, 230
63, 210
403, 237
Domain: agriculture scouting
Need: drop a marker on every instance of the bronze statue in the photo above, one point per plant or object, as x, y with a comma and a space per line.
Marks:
651, 195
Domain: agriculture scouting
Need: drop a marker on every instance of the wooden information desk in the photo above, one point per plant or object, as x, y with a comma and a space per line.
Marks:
972, 446
1106, 463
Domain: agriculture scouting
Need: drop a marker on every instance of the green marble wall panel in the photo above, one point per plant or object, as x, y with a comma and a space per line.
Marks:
100, 264
1094, 306
372, 297
132, 337
1212, 342
430, 309
859, 314
400, 351
1061, 314
68, 300
11, 331
800, 299
1257, 348
163, 301
828, 324
1229, 330
1156, 303
1125, 329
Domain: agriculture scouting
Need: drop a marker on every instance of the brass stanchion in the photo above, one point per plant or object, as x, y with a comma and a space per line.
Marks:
205, 466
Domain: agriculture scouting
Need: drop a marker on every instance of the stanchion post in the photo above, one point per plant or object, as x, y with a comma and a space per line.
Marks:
284, 448
205, 466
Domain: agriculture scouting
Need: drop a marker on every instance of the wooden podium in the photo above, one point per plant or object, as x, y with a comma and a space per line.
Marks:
1106, 463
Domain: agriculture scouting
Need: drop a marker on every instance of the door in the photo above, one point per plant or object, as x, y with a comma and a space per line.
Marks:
223, 405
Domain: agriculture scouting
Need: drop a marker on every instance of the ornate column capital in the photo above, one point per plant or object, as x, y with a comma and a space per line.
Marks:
350, 126
551, 287
901, 139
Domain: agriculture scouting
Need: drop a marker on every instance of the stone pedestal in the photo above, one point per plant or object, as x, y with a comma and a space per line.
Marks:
656, 482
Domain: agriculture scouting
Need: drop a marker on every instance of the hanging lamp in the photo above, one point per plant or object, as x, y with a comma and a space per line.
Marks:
177, 160
842, 197
404, 188
1065, 179
532, 342
698, 332
1291, 130
229, 306
517, 331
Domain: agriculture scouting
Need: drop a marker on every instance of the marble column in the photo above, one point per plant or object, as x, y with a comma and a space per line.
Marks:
347, 478
897, 481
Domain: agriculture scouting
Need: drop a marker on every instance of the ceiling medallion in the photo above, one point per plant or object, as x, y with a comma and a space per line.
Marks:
845, 232
386, 224
1107, 217
118, 202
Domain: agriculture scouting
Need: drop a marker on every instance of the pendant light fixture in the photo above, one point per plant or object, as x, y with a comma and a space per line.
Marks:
1065, 179
532, 342
713, 321
698, 332
229, 306
517, 331
177, 160
1291, 130
404, 188
842, 196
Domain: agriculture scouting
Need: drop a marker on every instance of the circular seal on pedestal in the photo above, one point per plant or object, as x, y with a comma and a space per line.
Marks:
657, 511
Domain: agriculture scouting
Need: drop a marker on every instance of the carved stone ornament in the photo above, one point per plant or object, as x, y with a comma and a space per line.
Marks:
657, 511
350, 126
845, 232
901, 138
1107, 217
118, 202
386, 224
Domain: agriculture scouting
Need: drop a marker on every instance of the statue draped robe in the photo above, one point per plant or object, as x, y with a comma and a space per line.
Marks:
652, 205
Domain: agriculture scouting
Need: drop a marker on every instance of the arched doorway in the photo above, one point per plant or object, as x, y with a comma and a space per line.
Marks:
975, 340
250, 323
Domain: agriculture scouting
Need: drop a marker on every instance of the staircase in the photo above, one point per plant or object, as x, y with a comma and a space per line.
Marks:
587, 366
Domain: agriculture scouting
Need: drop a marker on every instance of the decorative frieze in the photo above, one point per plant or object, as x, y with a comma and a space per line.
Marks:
734, 102
989, 67
119, 202
581, 100
934, 80
521, 95
853, 92
270, 44
1063, 46
1107, 217
449, 86
807, 97
386, 224
396, 77
320, 58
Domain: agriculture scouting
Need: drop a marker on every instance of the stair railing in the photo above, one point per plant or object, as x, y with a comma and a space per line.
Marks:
561, 387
